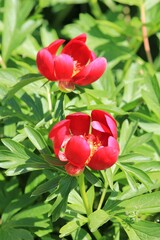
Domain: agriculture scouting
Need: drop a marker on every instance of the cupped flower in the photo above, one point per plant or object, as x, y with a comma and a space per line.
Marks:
75, 65
82, 140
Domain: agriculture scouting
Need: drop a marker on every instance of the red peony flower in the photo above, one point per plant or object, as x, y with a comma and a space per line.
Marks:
76, 64
81, 140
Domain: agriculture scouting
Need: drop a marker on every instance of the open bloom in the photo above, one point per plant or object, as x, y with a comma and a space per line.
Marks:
76, 64
81, 140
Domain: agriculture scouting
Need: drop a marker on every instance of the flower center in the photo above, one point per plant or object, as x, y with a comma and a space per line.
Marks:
94, 143
77, 68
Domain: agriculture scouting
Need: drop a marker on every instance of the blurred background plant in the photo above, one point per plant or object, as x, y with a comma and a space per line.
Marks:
127, 33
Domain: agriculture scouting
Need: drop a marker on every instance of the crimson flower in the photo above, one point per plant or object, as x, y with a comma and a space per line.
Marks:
75, 65
81, 140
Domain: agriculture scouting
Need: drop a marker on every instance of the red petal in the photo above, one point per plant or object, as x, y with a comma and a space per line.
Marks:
63, 66
78, 51
112, 142
106, 119
93, 56
53, 47
77, 151
58, 134
73, 170
112, 125
45, 64
104, 158
100, 127
79, 123
91, 72
101, 131
82, 37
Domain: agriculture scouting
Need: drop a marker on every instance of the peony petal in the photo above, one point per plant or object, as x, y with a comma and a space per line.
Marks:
91, 72
103, 158
45, 64
100, 127
78, 51
93, 56
53, 47
82, 37
112, 142
103, 120
73, 170
58, 134
112, 125
103, 117
77, 151
79, 123
63, 67
101, 131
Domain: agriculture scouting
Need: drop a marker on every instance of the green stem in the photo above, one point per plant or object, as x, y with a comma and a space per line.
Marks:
83, 193
95, 8
104, 191
102, 199
49, 101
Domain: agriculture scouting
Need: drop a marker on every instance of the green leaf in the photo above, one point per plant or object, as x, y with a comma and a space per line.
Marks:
16, 205
75, 202
37, 140
66, 185
109, 176
92, 178
10, 12
152, 105
141, 230
147, 203
97, 219
72, 226
81, 234
149, 4
146, 230
16, 26
33, 213
24, 80
91, 196
138, 141
150, 127
151, 166
127, 132
9, 233
47, 186
131, 181
8, 159
20, 160
139, 174
130, 2
21, 151
133, 157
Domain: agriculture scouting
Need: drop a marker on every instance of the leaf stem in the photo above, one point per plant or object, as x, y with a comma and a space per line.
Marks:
102, 198
49, 101
145, 35
83, 193
103, 192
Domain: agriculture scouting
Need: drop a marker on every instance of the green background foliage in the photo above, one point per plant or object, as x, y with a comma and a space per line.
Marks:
37, 199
